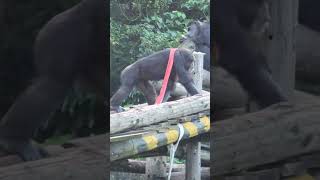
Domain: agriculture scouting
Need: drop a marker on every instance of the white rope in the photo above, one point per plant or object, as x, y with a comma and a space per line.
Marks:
174, 147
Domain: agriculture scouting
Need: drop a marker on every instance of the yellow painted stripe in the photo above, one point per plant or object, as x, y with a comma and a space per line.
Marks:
172, 136
303, 177
151, 141
191, 128
206, 121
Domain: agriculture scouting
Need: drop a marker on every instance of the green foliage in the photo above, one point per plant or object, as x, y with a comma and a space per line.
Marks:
139, 27
58, 140
201, 6
80, 105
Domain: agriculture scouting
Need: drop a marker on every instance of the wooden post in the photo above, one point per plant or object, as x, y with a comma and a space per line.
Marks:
282, 53
193, 162
156, 167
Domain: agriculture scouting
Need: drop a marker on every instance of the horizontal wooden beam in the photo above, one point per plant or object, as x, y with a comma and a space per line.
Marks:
148, 115
134, 146
84, 159
273, 134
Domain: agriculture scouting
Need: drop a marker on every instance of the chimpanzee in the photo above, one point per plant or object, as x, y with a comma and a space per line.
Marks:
153, 67
199, 33
70, 48
237, 53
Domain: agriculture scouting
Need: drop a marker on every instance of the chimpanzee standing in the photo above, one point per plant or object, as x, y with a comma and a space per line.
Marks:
70, 48
152, 68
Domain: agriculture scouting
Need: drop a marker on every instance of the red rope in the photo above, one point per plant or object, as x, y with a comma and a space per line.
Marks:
166, 76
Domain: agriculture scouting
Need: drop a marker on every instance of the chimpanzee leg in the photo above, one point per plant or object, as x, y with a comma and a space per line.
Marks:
122, 93
148, 90
129, 78
28, 113
170, 87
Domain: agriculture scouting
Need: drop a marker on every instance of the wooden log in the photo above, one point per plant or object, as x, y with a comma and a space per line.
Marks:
138, 166
85, 159
286, 169
134, 146
205, 175
144, 116
181, 151
276, 133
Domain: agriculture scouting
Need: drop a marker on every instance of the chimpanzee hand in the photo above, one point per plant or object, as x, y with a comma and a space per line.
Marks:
117, 109
190, 87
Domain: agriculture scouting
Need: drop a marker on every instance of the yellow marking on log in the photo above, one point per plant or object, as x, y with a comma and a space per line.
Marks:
172, 136
303, 177
151, 141
191, 128
206, 121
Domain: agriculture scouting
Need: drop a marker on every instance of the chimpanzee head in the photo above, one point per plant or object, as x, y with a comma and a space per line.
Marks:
199, 33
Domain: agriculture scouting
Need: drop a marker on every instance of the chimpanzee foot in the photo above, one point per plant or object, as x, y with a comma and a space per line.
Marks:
117, 109
32, 152
24, 148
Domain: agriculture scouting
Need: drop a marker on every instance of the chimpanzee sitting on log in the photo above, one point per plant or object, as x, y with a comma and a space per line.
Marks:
152, 68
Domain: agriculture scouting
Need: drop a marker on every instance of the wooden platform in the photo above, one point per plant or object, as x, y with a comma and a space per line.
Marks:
79, 159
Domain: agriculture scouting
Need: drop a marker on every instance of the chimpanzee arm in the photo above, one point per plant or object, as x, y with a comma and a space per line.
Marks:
181, 64
257, 80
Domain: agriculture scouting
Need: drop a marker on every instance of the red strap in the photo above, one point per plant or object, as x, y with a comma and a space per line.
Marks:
166, 76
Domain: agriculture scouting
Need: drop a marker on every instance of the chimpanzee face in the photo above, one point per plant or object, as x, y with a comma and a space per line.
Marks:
199, 33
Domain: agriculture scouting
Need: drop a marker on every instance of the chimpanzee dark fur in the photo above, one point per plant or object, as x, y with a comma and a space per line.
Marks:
70, 48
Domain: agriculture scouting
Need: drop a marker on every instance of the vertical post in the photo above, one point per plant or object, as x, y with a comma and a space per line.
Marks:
193, 162
156, 167
282, 54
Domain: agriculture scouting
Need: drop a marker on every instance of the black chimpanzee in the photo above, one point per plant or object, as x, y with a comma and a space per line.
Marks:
70, 48
199, 34
153, 68
237, 53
